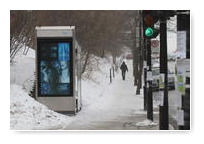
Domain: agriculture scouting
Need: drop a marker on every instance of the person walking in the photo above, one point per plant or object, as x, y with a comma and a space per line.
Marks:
123, 68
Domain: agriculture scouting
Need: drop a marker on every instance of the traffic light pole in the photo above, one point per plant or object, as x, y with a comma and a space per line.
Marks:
183, 25
145, 75
149, 85
149, 31
163, 110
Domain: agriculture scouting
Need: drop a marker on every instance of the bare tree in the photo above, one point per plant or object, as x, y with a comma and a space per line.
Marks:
97, 31
22, 29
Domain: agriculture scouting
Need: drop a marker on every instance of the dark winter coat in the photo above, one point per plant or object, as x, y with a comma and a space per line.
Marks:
123, 67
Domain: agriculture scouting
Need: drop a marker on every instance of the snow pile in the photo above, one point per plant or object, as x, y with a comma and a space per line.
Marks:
101, 100
94, 86
22, 69
27, 114
146, 122
144, 112
97, 69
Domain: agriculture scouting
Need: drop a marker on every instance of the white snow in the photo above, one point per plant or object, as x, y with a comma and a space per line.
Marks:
28, 114
22, 69
101, 100
146, 122
25, 112
93, 88
114, 101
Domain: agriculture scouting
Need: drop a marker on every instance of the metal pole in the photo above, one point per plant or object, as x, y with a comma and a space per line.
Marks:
110, 76
113, 72
145, 75
163, 110
149, 88
145, 88
183, 24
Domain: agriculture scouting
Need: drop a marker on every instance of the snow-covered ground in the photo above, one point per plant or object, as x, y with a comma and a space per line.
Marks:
25, 112
28, 114
109, 106
117, 100
101, 100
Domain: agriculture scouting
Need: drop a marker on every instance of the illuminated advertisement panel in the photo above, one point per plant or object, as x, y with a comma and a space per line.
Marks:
55, 67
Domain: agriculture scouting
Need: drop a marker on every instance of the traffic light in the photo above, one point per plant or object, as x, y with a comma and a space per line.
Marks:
150, 17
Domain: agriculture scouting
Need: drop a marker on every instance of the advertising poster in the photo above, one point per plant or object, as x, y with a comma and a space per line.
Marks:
54, 71
181, 76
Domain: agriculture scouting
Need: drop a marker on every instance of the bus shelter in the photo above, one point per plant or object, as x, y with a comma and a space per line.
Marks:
58, 68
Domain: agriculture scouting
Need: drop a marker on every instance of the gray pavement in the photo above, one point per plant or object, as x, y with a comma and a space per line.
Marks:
119, 123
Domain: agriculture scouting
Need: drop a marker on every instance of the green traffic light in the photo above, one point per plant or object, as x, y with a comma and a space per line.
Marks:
149, 32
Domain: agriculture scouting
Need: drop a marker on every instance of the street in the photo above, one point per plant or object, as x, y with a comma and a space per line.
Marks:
174, 98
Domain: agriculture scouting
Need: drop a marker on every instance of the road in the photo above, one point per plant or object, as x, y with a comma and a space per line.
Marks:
174, 98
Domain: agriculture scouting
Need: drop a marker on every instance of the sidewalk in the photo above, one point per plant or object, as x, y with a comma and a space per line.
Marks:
119, 108
134, 122
122, 123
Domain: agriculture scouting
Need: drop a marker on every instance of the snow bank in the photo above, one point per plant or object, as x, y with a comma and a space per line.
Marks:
28, 114
25, 112
22, 69
146, 122
94, 87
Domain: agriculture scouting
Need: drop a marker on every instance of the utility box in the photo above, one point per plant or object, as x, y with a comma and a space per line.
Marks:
58, 69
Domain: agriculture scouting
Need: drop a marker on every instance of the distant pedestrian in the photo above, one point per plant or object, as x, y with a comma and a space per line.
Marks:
123, 68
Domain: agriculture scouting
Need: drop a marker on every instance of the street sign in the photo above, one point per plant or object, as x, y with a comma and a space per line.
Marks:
154, 43
149, 76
